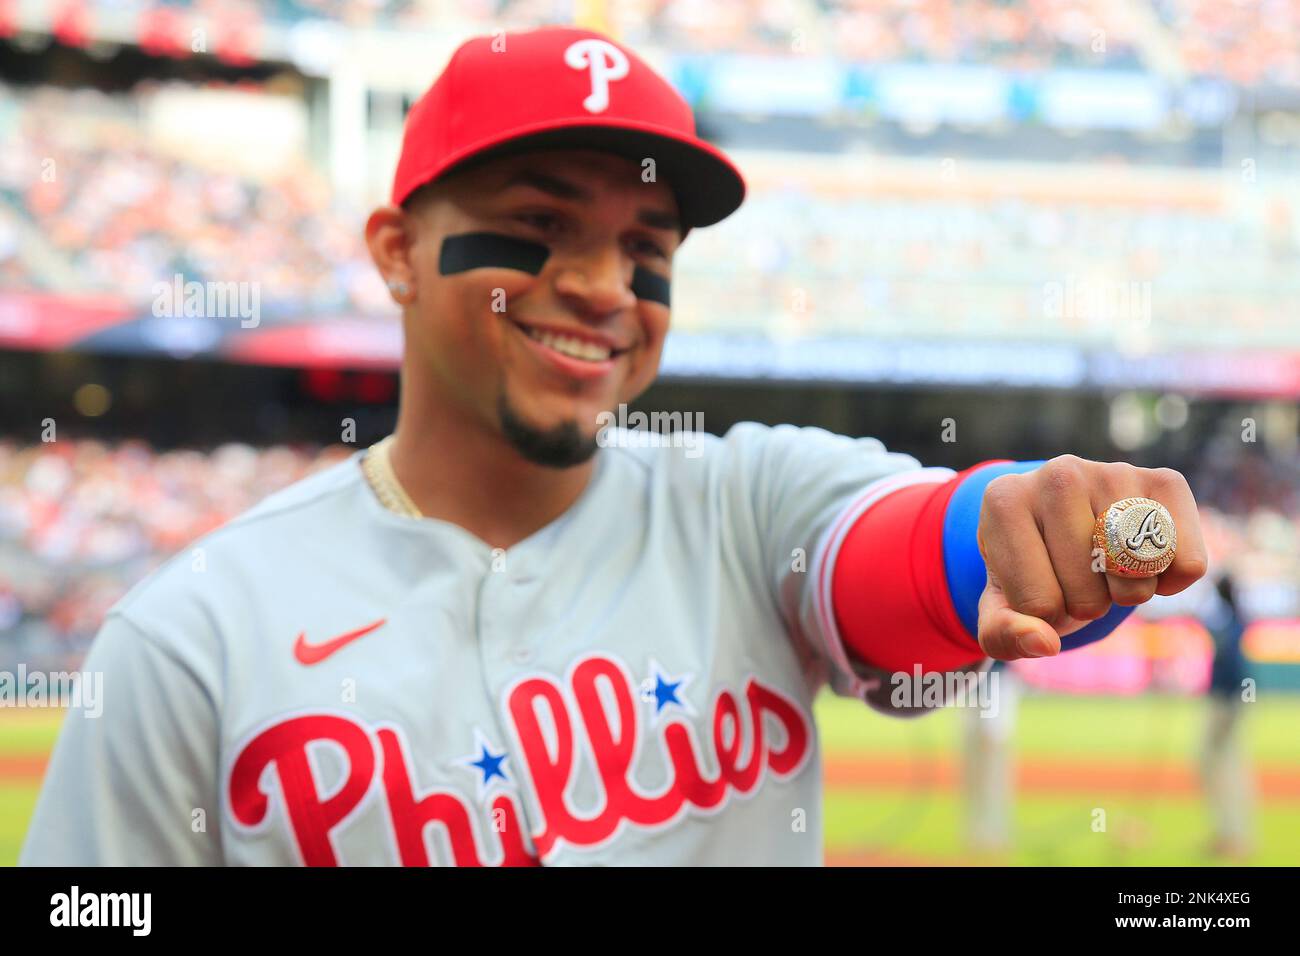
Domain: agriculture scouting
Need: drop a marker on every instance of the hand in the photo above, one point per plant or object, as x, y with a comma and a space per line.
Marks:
1035, 533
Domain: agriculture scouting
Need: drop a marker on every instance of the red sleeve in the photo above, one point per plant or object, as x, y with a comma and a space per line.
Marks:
889, 590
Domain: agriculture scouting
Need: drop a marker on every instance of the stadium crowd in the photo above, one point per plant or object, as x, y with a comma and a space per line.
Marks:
81, 521
964, 261
99, 209
1249, 42
1031, 34
88, 204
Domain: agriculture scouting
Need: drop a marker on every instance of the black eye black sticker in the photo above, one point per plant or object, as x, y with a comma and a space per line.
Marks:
491, 250
649, 286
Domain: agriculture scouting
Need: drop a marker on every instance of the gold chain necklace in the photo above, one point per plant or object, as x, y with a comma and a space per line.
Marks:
377, 466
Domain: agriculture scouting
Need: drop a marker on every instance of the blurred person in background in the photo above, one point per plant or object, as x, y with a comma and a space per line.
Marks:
1225, 765
988, 772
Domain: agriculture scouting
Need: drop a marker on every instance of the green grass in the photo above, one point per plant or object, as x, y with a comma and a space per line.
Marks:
16, 804
23, 735
1123, 727
30, 734
925, 825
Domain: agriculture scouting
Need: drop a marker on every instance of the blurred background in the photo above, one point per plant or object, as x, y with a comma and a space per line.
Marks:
976, 229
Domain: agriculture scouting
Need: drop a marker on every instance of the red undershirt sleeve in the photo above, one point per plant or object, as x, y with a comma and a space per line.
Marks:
887, 585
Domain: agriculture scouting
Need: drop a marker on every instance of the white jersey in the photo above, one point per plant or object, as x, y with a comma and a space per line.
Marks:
325, 681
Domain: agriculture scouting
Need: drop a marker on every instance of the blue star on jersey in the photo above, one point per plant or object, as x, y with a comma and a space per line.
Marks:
662, 689
490, 764
665, 692
487, 763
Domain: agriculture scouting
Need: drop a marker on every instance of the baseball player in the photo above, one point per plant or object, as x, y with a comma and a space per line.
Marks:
508, 634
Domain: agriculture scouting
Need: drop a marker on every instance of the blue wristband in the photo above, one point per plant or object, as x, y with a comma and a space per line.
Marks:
964, 565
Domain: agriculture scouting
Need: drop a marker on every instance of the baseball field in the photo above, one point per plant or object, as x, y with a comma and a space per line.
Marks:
893, 786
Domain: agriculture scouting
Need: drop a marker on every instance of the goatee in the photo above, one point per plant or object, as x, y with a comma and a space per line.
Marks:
561, 446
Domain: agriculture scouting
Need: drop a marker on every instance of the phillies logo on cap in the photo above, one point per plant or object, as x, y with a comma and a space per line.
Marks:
604, 61
558, 83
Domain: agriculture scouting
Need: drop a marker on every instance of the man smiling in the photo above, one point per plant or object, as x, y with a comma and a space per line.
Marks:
492, 639
497, 353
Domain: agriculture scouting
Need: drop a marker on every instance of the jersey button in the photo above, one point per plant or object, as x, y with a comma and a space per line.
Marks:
521, 655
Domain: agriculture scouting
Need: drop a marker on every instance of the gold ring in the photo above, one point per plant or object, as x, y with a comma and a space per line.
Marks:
1138, 537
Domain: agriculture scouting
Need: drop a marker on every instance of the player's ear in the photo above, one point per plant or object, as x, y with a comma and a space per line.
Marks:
390, 237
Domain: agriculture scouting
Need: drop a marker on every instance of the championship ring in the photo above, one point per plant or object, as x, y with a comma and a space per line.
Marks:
1137, 536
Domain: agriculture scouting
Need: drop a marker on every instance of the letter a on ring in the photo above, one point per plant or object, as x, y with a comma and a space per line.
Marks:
1138, 537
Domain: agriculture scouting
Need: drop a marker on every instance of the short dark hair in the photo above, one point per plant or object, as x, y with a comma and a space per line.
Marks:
420, 197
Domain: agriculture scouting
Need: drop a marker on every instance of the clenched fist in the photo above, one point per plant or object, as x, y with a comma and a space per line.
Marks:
1035, 534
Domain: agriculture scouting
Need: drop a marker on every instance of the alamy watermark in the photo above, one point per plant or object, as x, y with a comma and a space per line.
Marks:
212, 300
81, 690
1098, 300
660, 429
132, 911
977, 689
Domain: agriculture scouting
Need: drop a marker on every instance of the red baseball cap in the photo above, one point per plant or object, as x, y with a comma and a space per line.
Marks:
563, 88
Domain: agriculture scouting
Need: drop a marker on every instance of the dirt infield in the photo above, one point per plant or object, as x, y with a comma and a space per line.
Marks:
22, 769
1050, 776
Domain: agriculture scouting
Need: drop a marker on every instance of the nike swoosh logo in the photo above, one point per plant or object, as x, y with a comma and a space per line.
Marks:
308, 654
